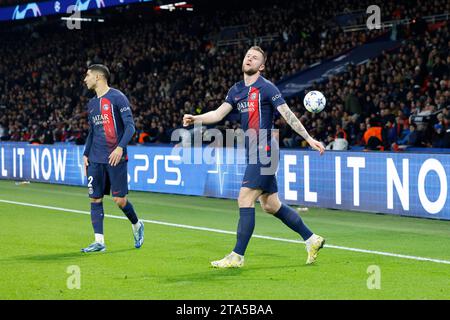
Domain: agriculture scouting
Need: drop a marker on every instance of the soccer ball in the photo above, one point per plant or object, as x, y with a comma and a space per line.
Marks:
314, 101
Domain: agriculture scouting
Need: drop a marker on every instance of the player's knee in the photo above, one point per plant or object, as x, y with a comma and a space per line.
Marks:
121, 202
245, 202
96, 200
269, 208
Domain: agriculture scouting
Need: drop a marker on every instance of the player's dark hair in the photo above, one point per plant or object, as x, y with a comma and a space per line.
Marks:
257, 48
101, 69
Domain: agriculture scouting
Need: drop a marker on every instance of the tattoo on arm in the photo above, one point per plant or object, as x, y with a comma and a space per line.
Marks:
293, 121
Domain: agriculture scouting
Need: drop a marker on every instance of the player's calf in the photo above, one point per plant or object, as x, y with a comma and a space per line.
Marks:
120, 201
138, 227
97, 217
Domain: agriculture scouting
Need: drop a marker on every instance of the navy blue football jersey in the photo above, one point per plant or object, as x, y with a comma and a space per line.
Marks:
256, 105
111, 124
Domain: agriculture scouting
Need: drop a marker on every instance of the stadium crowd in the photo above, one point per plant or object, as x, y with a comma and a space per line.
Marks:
171, 65
402, 98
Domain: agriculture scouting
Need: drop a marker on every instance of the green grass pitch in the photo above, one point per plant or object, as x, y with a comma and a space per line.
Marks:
38, 245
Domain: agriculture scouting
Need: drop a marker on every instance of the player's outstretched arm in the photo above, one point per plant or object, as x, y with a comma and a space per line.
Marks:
298, 127
209, 117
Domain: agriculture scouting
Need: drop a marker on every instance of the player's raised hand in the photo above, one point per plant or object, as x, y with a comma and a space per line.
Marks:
316, 145
115, 156
188, 119
86, 164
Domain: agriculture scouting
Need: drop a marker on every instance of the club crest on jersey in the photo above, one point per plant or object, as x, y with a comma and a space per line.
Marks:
253, 96
105, 107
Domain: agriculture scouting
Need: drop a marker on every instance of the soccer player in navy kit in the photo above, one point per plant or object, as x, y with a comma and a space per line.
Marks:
256, 100
111, 128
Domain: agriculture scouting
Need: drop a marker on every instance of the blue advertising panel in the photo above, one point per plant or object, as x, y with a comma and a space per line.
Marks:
408, 184
45, 8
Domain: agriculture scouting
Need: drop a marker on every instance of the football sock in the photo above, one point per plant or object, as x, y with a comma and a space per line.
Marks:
245, 229
97, 217
291, 218
136, 226
99, 238
130, 213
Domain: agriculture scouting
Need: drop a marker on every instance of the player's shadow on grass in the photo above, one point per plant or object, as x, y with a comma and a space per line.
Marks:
231, 274
63, 256
205, 276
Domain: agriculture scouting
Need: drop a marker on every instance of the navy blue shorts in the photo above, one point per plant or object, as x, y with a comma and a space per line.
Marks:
254, 179
103, 178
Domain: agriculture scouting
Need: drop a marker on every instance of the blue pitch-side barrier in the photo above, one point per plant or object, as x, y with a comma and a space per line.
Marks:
408, 184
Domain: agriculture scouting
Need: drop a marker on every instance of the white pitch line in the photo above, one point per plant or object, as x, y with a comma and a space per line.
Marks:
381, 253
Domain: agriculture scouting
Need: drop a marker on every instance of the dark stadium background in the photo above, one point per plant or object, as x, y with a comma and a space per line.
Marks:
171, 63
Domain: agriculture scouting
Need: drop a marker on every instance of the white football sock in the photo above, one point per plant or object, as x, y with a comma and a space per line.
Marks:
99, 238
136, 226
313, 236
237, 254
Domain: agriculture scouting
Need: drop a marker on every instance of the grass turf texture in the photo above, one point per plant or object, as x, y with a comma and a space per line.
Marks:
38, 245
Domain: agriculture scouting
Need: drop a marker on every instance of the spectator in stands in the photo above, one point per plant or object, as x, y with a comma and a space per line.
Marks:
352, 104
47, 134
287, 137
413, 138
162, 137
34, 140
391, 128
439, 131
173, 72
2, 131
374, 137
359, 137
339, 143
446, 139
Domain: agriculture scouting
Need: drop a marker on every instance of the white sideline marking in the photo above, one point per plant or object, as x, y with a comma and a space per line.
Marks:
402, 256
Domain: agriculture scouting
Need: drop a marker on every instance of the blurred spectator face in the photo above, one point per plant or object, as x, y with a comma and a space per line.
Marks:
409, 96
253, 62
362, 126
